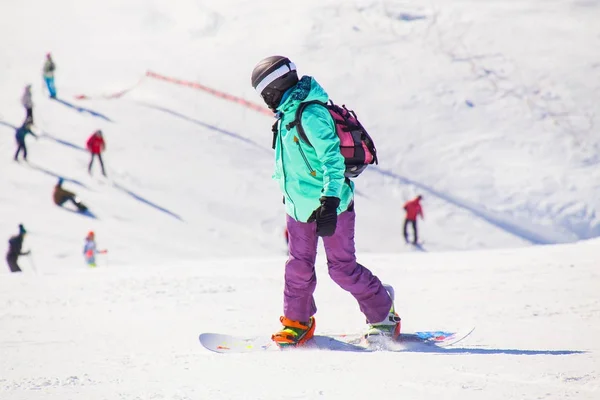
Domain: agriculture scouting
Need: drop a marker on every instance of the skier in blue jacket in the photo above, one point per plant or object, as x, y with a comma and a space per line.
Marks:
20, 134
48, 71
319, 201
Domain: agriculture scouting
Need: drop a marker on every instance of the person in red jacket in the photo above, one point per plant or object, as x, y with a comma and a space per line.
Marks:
96, 146
413, 209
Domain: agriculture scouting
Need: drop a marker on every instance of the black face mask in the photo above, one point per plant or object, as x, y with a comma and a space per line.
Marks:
273, 93
272, 98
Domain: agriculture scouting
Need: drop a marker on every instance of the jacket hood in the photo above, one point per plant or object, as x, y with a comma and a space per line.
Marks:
307, 89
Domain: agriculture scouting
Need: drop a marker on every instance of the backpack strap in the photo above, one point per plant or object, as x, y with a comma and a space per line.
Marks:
275, 131
297, 122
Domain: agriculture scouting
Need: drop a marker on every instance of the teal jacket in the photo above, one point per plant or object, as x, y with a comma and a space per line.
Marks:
306, 173
21, 132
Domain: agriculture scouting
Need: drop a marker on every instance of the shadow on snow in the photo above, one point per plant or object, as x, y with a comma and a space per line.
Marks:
205, 125
145, 201
331, 344
55, 175
518, 229
7, 124
48, 136
409, 17
83, 109
87, 213
116, 185
418, 247
63, 142
512, 352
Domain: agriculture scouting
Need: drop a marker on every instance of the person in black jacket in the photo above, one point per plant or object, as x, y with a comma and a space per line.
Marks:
20, 134
15, 245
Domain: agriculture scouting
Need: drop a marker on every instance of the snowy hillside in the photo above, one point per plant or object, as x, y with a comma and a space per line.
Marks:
132, 333
495, 127
488, 109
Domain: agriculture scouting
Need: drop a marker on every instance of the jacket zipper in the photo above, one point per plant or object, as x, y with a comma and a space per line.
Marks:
283, 174
312, 171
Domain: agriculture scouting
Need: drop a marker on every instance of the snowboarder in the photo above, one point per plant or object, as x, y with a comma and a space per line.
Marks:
28, 104
49, 68
90, 250
319, 201
20, 134
15, 245
61, 196
413, 209
96, 145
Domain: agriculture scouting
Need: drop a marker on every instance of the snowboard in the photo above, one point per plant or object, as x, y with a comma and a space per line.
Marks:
416, 341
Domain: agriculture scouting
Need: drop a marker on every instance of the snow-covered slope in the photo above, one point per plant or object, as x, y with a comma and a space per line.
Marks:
495, 127
132, 333
489, 109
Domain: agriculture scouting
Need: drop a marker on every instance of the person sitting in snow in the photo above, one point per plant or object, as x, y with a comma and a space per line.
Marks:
90, 250
15, 245
20, 134
61, 196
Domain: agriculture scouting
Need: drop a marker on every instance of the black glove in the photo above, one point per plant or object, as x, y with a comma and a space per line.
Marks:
326, 216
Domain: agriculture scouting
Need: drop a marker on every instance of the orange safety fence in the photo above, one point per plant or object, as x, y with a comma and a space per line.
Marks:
214, 92
194, 85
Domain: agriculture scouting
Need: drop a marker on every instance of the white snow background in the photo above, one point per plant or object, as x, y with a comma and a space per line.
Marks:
489, 109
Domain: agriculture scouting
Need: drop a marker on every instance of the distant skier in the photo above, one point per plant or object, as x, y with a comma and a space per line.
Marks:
15, 245
96, 145
20, 134
61, 196
413, 209
27, 102
90, 250
49, 68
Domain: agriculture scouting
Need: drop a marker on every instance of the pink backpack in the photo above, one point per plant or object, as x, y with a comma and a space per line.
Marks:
356, 145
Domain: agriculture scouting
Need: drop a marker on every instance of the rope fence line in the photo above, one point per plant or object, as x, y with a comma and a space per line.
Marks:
214, 92
194, 85
115, 95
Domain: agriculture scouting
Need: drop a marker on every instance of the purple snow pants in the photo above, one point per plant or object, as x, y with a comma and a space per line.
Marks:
300, 278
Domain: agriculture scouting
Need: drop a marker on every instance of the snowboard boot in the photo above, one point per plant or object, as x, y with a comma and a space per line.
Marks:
389, 327
294, 333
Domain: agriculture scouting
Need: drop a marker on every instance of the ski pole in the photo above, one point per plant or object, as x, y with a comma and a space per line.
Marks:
105, 252
32, 263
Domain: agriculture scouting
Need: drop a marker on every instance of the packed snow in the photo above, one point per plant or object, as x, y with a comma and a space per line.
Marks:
487, 109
